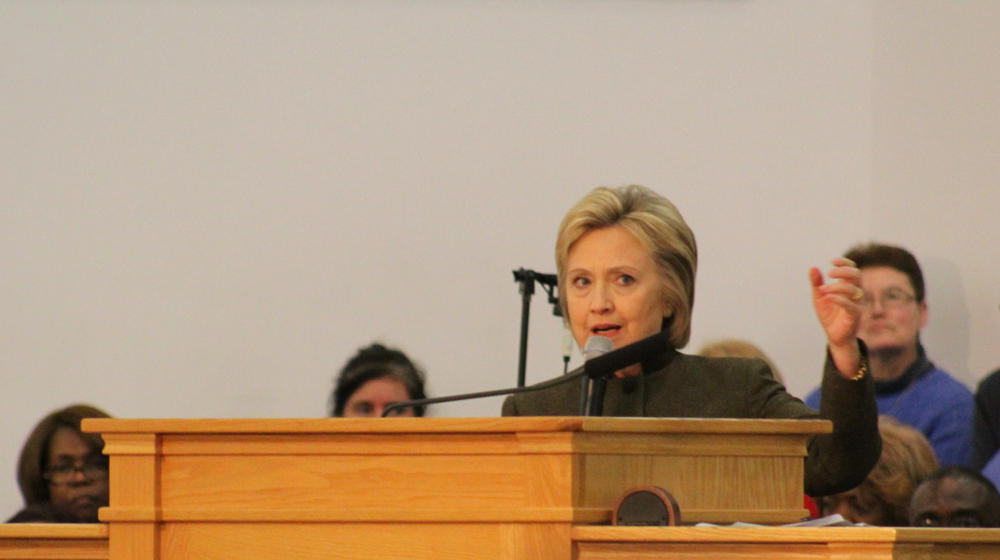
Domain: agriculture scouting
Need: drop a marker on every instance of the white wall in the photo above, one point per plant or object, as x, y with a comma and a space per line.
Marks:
205, 208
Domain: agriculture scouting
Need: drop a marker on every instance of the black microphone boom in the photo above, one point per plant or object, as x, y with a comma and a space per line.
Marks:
575, 374
600, 367
607, 364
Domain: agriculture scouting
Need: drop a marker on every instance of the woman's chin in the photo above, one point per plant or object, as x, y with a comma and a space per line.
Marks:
84, 508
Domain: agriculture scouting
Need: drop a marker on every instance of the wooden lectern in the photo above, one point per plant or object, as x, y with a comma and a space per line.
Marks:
53, 541
436, 488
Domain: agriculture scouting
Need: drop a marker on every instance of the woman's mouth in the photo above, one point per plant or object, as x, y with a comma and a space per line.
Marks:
606, 330
89, 501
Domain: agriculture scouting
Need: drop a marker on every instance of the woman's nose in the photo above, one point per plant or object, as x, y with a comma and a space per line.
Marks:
876, 307
602, 299
79, 478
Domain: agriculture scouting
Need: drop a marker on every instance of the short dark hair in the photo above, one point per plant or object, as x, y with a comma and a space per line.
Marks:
964, 473
34, 457
960, 473
376, 362
879, 254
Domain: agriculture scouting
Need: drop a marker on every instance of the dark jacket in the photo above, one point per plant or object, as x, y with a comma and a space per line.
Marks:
42, 513
682, 386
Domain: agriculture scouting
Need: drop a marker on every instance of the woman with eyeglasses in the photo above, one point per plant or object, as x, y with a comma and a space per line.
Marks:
62, 472
908, 386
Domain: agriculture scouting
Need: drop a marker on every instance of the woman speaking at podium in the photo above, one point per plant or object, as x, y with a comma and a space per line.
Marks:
626, 263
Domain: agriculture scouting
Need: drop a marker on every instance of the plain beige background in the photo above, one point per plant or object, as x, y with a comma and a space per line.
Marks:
206, 207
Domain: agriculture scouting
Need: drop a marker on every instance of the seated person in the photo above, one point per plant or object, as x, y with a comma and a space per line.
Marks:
992, 469
737, 348
374, 378
908, 386
884, 497
955, 497
986, 424
626, 263
62, 472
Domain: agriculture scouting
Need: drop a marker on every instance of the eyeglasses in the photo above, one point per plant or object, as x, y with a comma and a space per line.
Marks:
892, 298
64, 473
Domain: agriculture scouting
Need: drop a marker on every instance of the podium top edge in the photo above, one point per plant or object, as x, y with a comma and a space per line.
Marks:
53, 531
453, 425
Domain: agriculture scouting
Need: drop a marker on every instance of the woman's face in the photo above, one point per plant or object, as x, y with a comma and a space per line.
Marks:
77, 475
371, 399
613, 288
892, 318
857, 506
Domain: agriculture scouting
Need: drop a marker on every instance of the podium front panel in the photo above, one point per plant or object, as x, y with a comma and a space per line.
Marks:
428, 487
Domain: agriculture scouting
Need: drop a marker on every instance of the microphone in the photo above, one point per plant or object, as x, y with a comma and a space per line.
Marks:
596, 346
601, 366
606, 365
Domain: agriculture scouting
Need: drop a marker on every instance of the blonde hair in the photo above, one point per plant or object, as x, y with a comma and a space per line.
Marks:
907, 459
738, 348
661, 229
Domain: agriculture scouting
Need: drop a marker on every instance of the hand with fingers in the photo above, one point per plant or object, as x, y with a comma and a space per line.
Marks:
838, 308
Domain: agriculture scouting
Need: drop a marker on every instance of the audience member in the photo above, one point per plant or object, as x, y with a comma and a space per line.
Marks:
955, 497
738, 348
62, 472
373, 379
986, 426
884, 497
908, 386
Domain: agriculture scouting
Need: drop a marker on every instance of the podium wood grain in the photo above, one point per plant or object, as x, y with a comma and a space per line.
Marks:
428, 487
54, 541
786, 543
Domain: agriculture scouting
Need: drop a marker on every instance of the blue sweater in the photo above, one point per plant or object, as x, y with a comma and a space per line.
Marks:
931, 401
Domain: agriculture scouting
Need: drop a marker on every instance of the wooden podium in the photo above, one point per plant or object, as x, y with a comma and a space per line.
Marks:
429, 487
53, 541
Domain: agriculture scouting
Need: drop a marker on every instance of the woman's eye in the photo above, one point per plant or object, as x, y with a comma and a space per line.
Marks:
626, 280
863, 508
581, 282
395, 411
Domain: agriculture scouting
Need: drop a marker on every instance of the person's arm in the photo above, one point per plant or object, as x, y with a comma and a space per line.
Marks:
986, 421
841, 460
509, 407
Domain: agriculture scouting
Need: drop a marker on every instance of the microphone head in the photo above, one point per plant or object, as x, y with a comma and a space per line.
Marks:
596, 346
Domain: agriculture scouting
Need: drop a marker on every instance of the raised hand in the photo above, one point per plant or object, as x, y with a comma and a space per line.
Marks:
837, 305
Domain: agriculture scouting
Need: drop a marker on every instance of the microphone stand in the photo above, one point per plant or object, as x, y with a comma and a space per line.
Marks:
527, 278
600, 368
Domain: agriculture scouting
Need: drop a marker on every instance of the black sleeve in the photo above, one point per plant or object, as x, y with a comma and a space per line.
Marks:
841, 460
986, 421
